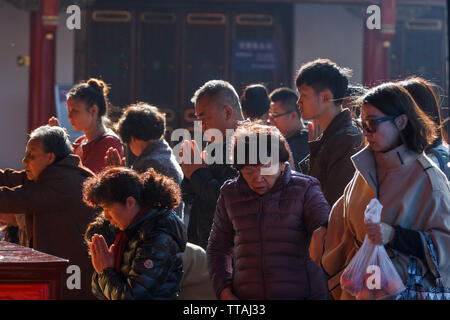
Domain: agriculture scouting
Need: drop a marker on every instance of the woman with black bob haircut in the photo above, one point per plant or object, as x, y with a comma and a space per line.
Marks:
412, 194
145, 260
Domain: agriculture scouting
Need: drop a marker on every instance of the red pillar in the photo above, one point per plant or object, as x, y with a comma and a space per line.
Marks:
377, 44
43, 26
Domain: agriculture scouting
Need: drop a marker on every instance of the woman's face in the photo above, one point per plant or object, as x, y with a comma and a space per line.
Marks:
387, 134
36, 159
79, 116
257, 182
120, 215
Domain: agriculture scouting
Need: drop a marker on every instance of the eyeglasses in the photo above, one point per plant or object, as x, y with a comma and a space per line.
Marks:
274, 116
371, 125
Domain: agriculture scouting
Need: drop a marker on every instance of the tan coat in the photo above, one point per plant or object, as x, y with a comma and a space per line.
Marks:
196, 283
414, 195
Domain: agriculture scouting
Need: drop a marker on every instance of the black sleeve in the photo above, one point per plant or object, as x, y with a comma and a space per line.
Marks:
408, 242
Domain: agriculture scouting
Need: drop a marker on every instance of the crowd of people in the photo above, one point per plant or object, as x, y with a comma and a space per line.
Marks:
141, 222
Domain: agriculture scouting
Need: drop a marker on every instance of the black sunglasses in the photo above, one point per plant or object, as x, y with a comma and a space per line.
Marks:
371, 125
274, 116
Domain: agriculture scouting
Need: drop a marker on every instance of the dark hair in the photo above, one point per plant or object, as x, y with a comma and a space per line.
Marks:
322, 74
255, 130
287, 97
92, 92
220, 92
53, 139
425, 97
354, 92
142, 121
103, 227
116, 184
394, 100
255, 100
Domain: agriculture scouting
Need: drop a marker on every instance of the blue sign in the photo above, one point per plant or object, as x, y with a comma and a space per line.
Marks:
255, 55
62, 113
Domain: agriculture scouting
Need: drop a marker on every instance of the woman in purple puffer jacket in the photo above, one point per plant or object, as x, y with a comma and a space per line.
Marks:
258, 246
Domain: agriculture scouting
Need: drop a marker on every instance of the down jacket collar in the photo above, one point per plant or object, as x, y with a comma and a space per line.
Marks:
165, 219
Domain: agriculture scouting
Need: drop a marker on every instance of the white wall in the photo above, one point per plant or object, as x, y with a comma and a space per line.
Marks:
65, 49
14, 41
328, 31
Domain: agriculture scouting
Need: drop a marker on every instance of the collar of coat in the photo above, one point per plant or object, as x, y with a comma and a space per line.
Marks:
152, 147
339, 124
72, 161
154, 214
366, 162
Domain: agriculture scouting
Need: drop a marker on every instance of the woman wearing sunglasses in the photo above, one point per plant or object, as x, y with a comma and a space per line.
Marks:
414, 193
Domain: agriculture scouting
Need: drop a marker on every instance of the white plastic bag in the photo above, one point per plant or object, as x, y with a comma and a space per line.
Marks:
370, 274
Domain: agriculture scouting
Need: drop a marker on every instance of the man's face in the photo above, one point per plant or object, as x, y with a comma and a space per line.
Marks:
283, 120
309, 103
36, 159
212, 116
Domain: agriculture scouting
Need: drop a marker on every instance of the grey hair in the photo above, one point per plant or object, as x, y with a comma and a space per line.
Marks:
53, 139
221, 92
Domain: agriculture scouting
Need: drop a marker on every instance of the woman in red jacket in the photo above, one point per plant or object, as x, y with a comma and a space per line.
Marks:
258, 247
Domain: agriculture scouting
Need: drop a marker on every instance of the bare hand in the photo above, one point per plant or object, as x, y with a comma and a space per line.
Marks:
227, 294
112, 158
314, 130
317, 243
101, 256
53, 122
193, 162
380, 233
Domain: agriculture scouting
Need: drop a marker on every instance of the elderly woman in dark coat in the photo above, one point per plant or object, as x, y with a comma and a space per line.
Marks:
264, 222
48, 192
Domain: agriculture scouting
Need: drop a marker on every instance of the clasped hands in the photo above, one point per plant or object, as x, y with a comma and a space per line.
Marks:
102, 257
190, 164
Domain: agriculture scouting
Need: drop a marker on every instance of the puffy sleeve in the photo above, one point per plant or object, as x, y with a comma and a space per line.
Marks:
220, 248
141, 282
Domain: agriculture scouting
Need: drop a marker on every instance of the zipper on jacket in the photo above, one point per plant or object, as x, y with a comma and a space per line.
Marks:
261, 251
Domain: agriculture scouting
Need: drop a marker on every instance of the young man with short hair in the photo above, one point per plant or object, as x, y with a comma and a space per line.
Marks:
322, 85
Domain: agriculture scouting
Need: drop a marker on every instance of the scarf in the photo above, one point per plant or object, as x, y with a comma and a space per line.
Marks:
121, 241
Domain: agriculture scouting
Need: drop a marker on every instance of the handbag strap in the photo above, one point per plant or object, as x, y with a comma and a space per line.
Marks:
432, 252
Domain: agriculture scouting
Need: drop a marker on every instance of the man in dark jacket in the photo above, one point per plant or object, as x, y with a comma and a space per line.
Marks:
217, 107
48, 192
285, 115
322, 86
